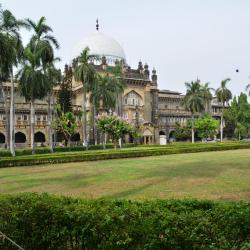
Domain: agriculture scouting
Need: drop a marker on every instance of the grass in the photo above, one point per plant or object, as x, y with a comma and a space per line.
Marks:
223, 175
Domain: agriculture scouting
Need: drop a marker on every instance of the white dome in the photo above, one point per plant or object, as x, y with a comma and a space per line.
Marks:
101, 45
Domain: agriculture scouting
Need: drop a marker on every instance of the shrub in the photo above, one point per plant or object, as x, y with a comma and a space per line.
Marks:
115, 154
47, 222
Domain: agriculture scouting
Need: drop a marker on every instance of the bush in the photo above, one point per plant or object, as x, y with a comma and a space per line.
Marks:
47, 222
115, 154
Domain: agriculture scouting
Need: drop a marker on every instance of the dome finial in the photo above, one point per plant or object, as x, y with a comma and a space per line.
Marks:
97, 25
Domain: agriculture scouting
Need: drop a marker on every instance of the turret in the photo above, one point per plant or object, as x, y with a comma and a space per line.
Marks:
140, 67
154, 76
146, 71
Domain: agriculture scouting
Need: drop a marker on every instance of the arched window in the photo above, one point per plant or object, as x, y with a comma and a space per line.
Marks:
2, 138
132, 98
39, 137
20, 137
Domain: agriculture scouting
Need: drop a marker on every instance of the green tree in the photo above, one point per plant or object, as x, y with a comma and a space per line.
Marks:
115, 127
53, 77
10, 53
238, 115
193, 101
32, 84
43, 42
118, 85
183, 132
106, 90
84, 72
65, 123
206, 126
65, 91
223, 95
207, 96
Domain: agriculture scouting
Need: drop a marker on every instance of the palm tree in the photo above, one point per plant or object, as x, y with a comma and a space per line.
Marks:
32, 84
207, 96
118, 85
223, 95
105, 93
11, 49
44, 42
84, 72
193, 101
53, 76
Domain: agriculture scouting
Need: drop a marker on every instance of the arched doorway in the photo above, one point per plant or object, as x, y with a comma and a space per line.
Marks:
39, 137
2, 138
20, 137
75, 137
162, 133
172, 136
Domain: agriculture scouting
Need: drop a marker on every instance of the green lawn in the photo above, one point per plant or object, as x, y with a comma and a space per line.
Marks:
210, 175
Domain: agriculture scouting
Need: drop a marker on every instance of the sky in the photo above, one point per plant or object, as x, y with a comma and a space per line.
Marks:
181, 39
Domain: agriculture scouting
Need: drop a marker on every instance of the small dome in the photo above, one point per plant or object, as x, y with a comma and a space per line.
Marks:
101, 45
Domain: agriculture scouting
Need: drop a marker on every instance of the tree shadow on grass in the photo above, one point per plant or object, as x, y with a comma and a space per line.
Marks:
67, 181
187, 170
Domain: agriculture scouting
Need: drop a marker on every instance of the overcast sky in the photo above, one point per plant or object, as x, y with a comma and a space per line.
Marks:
182, 39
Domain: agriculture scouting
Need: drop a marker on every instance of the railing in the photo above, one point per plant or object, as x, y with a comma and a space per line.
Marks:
174, 112
4, 237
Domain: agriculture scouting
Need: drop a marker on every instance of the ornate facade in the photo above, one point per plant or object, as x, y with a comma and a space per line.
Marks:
157, 111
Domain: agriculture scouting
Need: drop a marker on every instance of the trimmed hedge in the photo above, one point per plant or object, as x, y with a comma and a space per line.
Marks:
46, 150
47, 222
115, 154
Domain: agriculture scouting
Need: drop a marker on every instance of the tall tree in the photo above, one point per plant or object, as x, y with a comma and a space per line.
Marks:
43, 40
238, 115
223, 95
118, 85
10, 53
104, 92
44, 43
84, 72
32, 84
65, 91
65, 124
207, 96
193, 101
53, 77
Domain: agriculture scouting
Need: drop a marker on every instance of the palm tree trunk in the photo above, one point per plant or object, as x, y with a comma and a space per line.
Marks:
7, 115
32, 125
192, 128
94, 124
221, 124
12, 118
49, 124
119, 104
54, 114
84, 120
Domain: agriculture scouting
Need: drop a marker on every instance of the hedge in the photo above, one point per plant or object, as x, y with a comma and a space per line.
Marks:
47, 222
115, 154
46, 150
